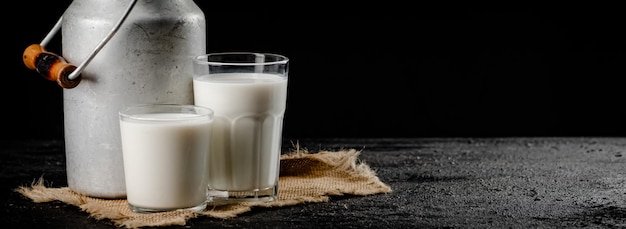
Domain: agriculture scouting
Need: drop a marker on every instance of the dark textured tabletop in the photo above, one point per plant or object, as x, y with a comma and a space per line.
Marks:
437, 183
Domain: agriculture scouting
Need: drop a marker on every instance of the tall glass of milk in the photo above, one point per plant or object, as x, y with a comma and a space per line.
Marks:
164, 149
248, 93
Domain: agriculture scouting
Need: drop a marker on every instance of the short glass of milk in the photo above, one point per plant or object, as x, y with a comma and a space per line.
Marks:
248, 93
164, 148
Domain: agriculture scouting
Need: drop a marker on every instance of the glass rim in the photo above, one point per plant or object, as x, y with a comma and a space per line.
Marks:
202, 59
131, 112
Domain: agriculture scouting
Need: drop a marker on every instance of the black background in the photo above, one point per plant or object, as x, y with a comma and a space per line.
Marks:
390, 70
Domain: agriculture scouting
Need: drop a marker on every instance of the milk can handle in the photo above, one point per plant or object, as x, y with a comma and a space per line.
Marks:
54, 67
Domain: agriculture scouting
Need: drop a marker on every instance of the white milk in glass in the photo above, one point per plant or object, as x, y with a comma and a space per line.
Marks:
165, 160
247, 130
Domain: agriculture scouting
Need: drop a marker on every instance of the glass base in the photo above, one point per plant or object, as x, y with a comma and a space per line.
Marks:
137, 209
220, 197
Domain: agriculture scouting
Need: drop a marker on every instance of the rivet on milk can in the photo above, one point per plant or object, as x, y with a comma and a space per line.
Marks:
130, 52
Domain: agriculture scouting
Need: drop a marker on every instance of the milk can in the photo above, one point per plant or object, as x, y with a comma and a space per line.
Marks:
146, 61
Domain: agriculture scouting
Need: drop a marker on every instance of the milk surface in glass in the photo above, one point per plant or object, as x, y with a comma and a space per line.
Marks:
165, 160
247, 130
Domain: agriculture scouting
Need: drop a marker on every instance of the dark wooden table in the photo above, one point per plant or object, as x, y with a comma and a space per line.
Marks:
437, 183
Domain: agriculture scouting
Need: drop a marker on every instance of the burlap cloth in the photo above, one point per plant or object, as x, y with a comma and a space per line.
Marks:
304, 177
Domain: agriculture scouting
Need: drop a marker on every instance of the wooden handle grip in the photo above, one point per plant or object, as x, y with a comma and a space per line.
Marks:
51, 66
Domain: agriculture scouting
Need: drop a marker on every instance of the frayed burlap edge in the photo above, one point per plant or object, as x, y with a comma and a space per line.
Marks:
316, 177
